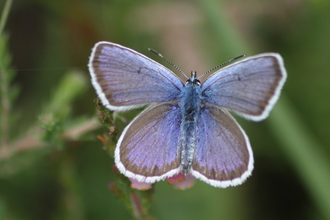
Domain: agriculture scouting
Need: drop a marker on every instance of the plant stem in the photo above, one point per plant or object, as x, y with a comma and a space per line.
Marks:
4, 83
4, 15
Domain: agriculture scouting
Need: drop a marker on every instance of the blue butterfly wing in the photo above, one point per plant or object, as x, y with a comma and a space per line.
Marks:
249, 87
223, 156
148, 149
125, 79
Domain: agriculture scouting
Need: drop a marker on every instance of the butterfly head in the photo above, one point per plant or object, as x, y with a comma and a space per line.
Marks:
193, 81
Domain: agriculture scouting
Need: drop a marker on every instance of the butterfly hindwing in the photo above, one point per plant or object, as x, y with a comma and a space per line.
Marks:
148, 149
223, 155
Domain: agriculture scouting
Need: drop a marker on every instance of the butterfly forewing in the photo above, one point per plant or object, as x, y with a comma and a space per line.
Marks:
223, 154
125, 79
249, 87
148, 149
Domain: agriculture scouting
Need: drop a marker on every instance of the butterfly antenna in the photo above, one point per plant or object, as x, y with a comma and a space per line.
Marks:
169, 62
221, 65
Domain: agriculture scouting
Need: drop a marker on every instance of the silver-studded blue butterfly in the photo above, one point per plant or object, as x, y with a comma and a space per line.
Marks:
187, 127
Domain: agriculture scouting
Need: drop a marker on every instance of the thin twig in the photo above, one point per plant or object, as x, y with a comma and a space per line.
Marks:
32, 141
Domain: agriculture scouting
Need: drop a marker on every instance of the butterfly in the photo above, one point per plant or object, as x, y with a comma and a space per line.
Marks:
187, 127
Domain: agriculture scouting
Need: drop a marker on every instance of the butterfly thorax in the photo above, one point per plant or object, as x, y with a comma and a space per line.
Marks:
190, 111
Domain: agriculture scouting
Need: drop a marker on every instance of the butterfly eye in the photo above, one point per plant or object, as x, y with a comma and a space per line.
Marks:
193, 80
197, 82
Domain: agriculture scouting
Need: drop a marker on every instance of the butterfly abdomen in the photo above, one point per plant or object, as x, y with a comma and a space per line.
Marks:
190, 111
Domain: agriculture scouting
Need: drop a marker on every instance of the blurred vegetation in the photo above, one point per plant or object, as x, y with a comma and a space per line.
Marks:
56, 156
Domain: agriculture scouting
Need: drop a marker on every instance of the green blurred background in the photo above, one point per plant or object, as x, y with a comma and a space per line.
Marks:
49, 172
